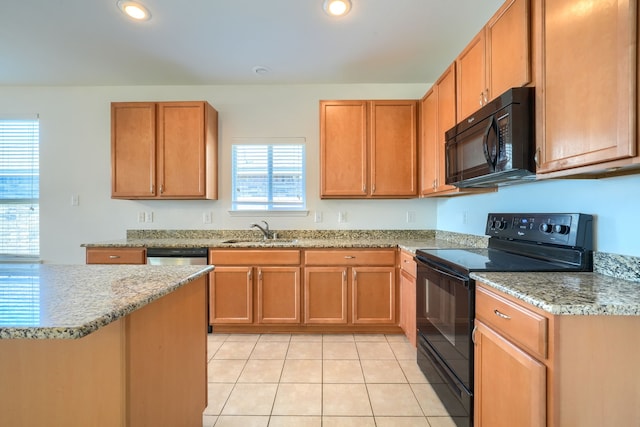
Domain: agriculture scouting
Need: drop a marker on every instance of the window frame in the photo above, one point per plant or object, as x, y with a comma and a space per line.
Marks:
28, 161
269, 207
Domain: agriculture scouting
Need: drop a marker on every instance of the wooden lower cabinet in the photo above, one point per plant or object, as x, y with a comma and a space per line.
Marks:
326, 295
533, 368
262, 287
351, 288
509, 384
407, 283
231, 295
116, 256
374, 295
278, 296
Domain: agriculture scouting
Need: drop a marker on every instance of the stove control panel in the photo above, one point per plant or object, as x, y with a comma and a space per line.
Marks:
566, 229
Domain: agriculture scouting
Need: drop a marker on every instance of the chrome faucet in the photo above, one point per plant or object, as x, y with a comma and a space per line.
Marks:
268, 234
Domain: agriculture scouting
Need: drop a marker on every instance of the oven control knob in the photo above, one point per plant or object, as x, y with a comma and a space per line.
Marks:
561, 229
546, 228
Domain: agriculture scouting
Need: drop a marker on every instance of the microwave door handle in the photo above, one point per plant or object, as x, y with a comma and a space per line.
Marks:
491, 151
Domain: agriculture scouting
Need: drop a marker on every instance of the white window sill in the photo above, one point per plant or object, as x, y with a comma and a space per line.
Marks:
266, 214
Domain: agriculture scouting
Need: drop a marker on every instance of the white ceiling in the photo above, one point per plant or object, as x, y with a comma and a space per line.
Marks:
202, 42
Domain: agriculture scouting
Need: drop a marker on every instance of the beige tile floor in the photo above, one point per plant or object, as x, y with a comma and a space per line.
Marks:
350, 380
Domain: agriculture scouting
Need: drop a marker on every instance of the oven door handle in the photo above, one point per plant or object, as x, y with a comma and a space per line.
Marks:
448, 274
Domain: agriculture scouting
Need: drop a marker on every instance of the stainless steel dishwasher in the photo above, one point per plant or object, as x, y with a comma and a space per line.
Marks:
177, 256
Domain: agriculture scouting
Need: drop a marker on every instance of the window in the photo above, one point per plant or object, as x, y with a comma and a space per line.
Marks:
19, 188
268, 177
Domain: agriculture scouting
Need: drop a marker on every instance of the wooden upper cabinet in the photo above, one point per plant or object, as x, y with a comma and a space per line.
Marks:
470, 65
428, 137
133, 149
368, 149
586, 114
164, 150
343, 148
394, 149
508, 48
498, 58
438, 115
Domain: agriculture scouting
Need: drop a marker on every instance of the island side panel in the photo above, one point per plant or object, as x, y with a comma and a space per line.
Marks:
167, 360
64, 382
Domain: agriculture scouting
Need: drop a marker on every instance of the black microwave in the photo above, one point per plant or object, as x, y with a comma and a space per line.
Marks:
495, 145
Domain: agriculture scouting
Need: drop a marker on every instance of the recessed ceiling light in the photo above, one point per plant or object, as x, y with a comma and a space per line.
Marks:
134, 10
336, 7
260, 70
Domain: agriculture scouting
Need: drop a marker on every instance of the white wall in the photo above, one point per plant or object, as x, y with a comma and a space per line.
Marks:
614, 202
75, 160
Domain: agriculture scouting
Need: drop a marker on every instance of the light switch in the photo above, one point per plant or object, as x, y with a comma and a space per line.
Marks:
75, 200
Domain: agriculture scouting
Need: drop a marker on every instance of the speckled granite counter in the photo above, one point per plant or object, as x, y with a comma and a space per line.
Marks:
70, 301
410, 240
569, 293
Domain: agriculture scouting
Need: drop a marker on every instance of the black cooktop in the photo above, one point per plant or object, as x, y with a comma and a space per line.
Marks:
524, 242
470, 260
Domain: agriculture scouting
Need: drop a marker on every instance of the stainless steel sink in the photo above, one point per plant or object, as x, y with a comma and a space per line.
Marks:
261, 241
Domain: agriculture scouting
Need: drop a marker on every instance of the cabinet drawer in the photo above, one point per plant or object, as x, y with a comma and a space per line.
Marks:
524, 327
407, 263
254, 257
116, 256
350, 257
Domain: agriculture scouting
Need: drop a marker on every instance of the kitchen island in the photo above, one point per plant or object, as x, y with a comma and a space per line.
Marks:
102, 345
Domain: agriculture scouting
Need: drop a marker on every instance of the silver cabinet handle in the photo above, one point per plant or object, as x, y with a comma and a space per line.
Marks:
473, 334
349, 257
502, 315
114, 256
536, 157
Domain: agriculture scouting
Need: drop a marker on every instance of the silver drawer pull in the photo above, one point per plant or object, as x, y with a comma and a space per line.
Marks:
114, 256
504, 316
349, 257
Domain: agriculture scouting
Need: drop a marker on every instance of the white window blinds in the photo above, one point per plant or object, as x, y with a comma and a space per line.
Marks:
19, 188
268, 177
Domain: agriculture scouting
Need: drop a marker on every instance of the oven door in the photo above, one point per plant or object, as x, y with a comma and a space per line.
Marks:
444, 320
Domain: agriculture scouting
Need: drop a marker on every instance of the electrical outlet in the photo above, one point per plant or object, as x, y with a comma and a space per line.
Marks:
465, 217
317, 216
148, 217
207, 217
342, 217
411, 216
141, 217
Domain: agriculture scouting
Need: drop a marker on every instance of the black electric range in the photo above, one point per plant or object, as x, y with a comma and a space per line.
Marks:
445, 294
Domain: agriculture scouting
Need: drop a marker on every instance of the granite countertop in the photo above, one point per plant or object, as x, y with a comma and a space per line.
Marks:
44, 301
409, 240
569, 293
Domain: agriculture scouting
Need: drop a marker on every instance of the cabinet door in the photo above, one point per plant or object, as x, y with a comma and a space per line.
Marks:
325, 295
510, 385
428, 138
408, 305
508, 54
116, 256
374, 295
181, 149
133, 149
231, 295
343, 148
470, 67
278, 294
446, 120
394, 159
586, 112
